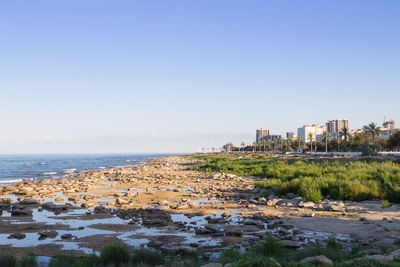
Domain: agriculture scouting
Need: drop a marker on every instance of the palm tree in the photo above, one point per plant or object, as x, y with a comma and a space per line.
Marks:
310, 138
243, 145
345, 133
269, 144
254, 146
228, 147
289, 140
374, 130
299, 140
326, 137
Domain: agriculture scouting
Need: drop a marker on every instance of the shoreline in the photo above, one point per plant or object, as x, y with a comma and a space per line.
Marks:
164, 205
70, 173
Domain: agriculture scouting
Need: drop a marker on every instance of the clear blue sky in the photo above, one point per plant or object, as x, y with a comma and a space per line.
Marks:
174, 76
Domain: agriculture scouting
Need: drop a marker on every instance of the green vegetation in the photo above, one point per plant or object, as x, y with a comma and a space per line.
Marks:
8, 260
344, 179
270, 253
114, 253
385, 204
119, 255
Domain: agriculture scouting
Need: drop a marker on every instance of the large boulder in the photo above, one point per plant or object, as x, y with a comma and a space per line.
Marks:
321, 259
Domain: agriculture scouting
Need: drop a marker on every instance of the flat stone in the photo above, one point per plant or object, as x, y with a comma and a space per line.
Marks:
17, 236
50, 233
66, 236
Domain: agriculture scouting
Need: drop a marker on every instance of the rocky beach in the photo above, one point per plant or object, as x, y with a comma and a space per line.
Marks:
166, 206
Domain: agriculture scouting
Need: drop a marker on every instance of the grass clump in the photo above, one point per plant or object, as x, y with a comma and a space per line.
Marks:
114, 254
385, 204
268, 247
146, 256
28, 261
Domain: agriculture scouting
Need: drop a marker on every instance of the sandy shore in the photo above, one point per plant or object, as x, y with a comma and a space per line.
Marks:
165, 206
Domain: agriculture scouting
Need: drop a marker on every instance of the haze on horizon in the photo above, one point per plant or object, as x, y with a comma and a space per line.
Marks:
175, 76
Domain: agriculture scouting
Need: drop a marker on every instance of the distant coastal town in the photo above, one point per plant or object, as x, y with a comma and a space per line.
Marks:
334, 136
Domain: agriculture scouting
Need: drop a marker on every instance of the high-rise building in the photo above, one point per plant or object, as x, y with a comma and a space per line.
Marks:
336, 126
261, 134
316, 130
291, 135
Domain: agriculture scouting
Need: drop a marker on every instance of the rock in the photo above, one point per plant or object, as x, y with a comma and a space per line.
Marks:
99, 209
215, 220
17, 236
251, 206
163, 203
321, 259
46, 234
290, 244
155, 222
28, 201
154, 244
262, 199
54, 207
234, 232
395, 254
380, 258
59, 199
307, 205
66, 236
87, 205
21, 212
121, 201
212, 264
272, 202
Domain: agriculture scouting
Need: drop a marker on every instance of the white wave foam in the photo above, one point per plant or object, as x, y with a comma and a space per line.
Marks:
10, 181
49, 173
102, 167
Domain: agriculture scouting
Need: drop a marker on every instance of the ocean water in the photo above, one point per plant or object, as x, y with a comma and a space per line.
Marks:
15, 168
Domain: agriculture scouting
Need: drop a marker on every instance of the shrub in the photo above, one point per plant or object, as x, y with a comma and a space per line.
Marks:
371, 150
311, 194
269, 247
385, 204
62, 261
230, 255
147, 256
8, 260
115, 254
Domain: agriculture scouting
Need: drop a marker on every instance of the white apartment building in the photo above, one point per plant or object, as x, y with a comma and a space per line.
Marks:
261, 134
316, 130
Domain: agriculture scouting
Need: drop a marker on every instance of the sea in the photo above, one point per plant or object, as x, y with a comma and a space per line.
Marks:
18, 168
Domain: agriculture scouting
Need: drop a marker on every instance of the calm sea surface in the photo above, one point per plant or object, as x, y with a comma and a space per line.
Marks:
14, 168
